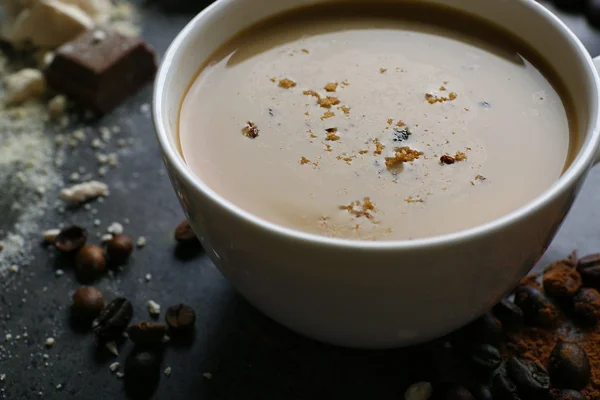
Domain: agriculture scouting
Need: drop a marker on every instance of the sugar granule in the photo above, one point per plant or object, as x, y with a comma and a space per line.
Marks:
28, 176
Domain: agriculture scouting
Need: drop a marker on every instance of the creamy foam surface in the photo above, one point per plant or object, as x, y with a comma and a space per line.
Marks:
401, 84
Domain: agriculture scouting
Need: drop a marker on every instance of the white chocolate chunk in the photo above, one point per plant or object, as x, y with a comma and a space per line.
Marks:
26, 84
84, 191
57, 106
153, 307
47, 23
50, 235
98, 10
115, 228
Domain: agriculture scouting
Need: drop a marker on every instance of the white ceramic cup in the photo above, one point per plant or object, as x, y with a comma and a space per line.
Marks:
374, 294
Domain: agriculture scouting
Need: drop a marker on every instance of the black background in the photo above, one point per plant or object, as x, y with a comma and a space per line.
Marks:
249, 356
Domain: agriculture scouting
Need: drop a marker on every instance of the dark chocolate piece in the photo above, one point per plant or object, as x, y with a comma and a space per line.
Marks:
101, 68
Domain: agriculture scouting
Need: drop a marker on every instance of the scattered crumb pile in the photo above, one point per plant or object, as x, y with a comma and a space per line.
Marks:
34, 124
50, 23
27, 175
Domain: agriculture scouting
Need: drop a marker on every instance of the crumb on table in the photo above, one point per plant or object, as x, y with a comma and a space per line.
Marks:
378, 147
460, 156
432, 99
366, 208
332, 134
304, 160
346, 158
250, 130
328, 101
331, 87
286, 83
478, 178
403, 154
327, 114
311, 93
84, 191
411, 200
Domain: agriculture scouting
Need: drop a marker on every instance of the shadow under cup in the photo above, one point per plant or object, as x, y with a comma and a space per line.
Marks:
374, 294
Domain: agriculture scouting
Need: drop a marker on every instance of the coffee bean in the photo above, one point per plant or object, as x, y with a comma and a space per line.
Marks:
180, 317
119, 248
70, 239
569, 366
586, 306
147, 333
485, 357
88, 302
531, 377
589, 269
142, 374
184, 233
451, 391
418, 391
569, 395
90, 262
142, 366
561, 280
481, 392
486, 329
592, 12
503, 388
113, 320
537, 308
508, 313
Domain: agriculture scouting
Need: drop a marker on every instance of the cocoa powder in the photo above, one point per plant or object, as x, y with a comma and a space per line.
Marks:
536, 343
591, 344
532, 343
561, 279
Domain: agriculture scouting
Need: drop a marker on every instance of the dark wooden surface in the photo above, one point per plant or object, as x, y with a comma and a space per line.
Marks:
249, 356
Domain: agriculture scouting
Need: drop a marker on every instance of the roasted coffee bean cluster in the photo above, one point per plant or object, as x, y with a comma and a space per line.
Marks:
92, 261
111, 322
567, 294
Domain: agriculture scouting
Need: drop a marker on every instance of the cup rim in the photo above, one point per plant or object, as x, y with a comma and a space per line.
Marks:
579, 165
